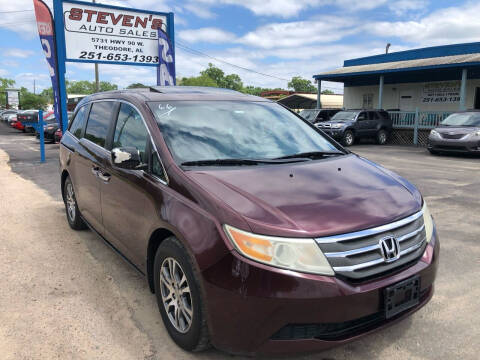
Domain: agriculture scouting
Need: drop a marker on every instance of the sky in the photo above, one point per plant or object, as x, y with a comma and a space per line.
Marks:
281, 38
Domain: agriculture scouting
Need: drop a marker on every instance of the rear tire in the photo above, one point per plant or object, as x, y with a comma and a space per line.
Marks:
382, 137
348, 138
71, 208
179, 297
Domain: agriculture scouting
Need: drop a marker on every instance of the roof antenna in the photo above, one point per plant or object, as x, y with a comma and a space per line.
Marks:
387, 47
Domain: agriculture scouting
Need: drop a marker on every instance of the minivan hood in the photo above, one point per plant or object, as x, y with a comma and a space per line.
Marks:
457, 130
311, 199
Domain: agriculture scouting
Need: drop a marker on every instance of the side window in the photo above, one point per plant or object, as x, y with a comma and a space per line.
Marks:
157, 168
374, 115
99, 121
130, 130
78, 122
362, 116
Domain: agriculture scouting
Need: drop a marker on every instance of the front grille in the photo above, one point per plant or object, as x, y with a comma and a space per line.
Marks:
358, 256
452, 136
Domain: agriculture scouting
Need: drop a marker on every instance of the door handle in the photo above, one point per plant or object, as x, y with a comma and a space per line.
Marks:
95, 170
104, 177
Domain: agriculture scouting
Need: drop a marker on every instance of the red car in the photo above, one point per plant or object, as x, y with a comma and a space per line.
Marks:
58, 135
18, 125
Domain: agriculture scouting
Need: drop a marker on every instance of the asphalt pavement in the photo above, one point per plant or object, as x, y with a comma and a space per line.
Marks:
66, 295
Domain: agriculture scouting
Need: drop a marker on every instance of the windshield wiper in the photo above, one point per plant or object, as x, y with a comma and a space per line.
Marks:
312, 155
227, 162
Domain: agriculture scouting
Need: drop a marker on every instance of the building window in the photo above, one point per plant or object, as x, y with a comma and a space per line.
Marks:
368, 101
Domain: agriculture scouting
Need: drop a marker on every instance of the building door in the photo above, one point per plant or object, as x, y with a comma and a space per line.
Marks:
477, 98
406, 101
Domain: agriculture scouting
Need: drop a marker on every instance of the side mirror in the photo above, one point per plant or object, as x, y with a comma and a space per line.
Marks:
127, 158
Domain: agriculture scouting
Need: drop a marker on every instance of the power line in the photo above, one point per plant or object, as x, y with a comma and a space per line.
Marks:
186, 48
193, 51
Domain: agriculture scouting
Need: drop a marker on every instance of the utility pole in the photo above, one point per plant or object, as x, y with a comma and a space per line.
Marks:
97, 83
34, 93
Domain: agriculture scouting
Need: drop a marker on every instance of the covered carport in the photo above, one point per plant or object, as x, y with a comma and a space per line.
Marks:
309, 101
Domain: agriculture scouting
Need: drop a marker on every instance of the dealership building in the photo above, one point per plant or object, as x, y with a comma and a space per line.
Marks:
441, 78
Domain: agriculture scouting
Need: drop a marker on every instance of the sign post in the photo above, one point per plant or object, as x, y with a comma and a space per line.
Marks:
42, 135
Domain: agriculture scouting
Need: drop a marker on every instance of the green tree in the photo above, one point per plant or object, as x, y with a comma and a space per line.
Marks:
4, 84
202, 80
214, 73
328, 92
301, 85
30, 100
233, 82
136, 86
88, 87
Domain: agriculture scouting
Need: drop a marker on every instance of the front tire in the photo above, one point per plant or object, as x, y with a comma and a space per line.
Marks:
348, 138
73, 213
382, 137
179, 298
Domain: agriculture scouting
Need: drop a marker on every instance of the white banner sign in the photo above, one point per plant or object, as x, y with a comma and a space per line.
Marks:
97, 33
12, 98
441, 92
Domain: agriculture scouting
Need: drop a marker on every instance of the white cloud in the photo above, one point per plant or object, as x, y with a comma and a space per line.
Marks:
450, 25
401, 7
199, 10
3, 72
208, 34
18, 53
293, 34
281, 8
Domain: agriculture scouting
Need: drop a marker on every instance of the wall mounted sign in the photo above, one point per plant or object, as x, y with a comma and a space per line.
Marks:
441, 92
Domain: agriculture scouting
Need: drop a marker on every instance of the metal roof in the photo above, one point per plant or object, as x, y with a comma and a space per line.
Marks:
406, 65
309, 101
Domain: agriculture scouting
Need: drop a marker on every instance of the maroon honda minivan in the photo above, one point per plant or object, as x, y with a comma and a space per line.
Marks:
256, 231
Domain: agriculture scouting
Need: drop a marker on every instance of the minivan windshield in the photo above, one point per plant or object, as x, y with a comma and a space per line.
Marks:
462, 119
344, 116
196, 131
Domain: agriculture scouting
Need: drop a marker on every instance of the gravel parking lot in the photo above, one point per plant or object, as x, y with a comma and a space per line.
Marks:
66, 295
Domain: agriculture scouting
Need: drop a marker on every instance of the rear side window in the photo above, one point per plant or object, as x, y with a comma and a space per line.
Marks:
78, 122
130, 130
98, 122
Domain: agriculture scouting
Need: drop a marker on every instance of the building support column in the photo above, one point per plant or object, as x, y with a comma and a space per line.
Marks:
380, 93
463, 89
319, 92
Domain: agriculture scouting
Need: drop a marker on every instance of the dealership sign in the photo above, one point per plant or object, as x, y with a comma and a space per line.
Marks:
12, 98
441, 92
99, 33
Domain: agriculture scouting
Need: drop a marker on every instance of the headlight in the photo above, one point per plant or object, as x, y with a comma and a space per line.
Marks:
302, 255
475, 134
434, 133
50, 127
336, 126
428, 221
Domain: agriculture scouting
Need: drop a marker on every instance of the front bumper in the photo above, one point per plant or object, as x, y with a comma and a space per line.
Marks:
254, 309
471, 145
334, 133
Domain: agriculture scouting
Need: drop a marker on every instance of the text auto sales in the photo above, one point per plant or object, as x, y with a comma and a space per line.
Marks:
107, 18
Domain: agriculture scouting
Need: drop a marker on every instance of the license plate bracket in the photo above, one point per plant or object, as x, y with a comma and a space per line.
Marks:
402, 296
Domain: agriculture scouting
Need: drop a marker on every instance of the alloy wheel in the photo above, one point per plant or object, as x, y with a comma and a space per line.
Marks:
176, 295
70, 201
